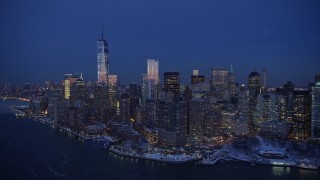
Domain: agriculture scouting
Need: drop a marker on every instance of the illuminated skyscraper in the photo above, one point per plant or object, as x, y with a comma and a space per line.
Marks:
113, 81
172, 82
219, 77
197, 112
78, 93
220, 82
172, 122
267, 109
196, 78
67, 88
53, 104
301, 115
243, 107
254, 86
315, 110
254, 83
153, 70
69, 79
150, 80
103, 60
288, 89
144, 89
232, 81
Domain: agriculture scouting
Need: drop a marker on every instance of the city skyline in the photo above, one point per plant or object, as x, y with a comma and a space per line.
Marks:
160, 89
279, 37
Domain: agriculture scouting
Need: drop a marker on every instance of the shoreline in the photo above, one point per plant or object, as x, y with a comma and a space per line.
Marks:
165, 159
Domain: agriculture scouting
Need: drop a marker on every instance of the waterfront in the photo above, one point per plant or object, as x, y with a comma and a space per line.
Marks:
32, 150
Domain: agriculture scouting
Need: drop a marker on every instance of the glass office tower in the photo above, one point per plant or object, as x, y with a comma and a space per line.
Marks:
103, 60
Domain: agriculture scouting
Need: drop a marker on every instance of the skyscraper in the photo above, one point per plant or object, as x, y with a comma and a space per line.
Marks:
232, 81
254, 85
151, 80
144, 89
113, 79
243, 107
219, 77
315, 110
103, 60
78, 93
197, 112
264, 88
172, 122
53, 104
196, 78
301, 115
153, 70
112, 82
267, 109
220, 82
288, 89
150, 85
68, 81
172, 82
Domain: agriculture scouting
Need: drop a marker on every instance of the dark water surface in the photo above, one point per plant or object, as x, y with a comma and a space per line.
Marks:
31, 150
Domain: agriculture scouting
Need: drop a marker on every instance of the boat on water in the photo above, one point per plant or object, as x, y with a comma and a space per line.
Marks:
307, 166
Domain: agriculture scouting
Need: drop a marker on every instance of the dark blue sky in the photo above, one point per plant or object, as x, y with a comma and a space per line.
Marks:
43, 40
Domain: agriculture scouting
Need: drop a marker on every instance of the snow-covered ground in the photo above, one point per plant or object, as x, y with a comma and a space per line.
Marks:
156, 156
253, 152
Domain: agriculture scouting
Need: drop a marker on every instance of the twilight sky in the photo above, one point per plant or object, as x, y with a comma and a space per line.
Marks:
43, 40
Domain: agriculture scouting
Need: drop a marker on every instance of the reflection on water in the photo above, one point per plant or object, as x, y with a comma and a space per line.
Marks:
307, 172
280, 171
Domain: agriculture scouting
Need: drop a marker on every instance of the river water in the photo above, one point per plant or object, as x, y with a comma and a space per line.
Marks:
32, 150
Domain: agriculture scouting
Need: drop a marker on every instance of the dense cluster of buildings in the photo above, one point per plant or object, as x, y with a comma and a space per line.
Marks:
209, 111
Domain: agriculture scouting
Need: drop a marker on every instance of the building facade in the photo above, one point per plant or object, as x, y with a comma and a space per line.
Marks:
220, 83
172, 82
150, 81
254, 86
172, 123
68, 82
301, 123
196, 78
197, 113
267, 109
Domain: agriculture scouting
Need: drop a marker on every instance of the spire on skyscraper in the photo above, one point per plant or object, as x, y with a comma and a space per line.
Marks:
102, 32
264, 77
